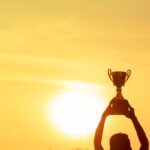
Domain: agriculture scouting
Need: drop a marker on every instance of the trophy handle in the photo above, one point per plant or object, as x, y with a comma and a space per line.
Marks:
110, 74
128, 74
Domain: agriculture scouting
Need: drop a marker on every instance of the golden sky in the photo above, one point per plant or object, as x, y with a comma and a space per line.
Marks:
45, 42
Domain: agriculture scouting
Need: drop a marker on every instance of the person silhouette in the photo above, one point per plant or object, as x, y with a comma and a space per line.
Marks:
120, 141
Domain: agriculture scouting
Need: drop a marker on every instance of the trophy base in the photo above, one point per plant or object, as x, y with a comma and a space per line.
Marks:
119, 107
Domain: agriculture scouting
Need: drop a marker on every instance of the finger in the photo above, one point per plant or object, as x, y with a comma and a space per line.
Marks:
111, 102
131, 108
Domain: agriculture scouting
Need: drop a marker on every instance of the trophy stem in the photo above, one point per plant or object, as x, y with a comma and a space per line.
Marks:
119, 94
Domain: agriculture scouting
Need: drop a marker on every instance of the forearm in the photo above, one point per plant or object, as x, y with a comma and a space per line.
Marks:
140, 132
99, 133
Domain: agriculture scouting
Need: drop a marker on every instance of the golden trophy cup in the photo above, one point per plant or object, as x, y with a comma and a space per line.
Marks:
119, 104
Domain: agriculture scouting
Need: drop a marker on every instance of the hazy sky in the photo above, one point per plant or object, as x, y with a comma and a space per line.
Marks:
45, 42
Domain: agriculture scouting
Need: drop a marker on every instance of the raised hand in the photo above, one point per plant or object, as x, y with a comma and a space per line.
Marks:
108, 110
130, 113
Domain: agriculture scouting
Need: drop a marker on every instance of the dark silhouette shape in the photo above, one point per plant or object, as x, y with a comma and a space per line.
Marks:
120, 141
123, 139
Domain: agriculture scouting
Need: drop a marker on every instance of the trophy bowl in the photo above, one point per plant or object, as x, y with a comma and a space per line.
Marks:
119, 77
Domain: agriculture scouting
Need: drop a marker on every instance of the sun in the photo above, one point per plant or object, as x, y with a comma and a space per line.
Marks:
76, 112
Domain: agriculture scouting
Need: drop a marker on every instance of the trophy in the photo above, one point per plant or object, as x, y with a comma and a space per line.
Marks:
119, 105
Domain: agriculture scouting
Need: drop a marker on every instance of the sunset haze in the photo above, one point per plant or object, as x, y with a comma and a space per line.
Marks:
48, 47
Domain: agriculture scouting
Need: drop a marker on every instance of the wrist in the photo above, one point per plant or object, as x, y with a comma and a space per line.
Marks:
104, 115
133, 117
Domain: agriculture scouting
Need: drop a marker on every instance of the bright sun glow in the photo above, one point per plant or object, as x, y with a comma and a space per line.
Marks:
76, 112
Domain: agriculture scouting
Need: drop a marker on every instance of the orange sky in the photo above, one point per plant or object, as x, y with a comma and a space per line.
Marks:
45, 42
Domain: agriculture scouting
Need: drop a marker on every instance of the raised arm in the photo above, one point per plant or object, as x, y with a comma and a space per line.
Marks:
139, 130
99, 130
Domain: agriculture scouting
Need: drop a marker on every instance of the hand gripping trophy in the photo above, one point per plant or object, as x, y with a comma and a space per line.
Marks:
119, 104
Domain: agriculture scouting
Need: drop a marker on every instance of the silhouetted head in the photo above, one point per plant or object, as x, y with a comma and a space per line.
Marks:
120, 141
